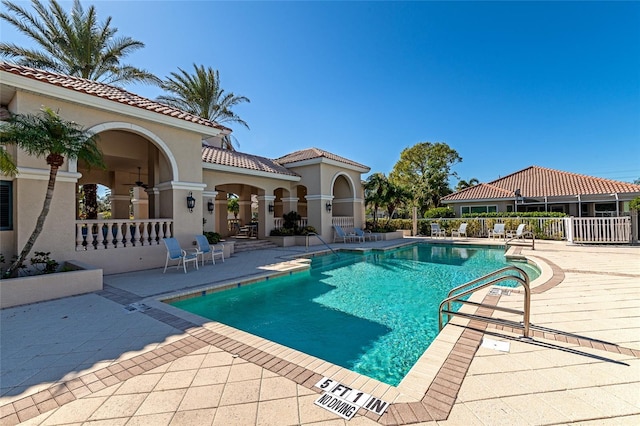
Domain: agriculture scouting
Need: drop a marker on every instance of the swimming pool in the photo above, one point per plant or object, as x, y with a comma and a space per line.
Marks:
374, 313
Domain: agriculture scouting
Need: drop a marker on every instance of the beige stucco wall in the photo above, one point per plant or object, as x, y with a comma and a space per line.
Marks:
182, 151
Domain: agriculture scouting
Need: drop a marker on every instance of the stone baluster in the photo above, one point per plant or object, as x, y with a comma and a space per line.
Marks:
144, 236
99, 236
135, 235
153, 236
119, 237
79, 237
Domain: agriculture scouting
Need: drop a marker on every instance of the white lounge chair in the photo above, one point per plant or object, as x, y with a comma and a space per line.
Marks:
497, 231
205, 249
436, 231
175, 252
462, 230
365, 234
340, 234
520, 232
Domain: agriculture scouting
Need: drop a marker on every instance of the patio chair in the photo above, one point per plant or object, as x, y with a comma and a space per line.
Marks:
520, 232
497, 231
462, 230
206, 249
436, 231
175, 252
340, 234
365, 234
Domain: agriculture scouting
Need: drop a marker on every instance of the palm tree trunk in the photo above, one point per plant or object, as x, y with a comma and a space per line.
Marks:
90, 200
15, 266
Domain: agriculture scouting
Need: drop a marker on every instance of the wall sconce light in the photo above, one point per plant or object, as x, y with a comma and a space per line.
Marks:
328, 207
210, 206
191, 202
270, 208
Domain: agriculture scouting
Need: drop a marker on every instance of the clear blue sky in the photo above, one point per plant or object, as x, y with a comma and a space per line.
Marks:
506, 84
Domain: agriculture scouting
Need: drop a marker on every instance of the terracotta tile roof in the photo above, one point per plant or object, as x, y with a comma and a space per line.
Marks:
313, 153
538, 182
105, 91
230, 158
480, 191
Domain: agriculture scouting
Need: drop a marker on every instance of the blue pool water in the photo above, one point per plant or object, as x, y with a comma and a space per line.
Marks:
372, 313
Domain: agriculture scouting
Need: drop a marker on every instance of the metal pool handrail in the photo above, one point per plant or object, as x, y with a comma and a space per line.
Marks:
455, 296
313, 234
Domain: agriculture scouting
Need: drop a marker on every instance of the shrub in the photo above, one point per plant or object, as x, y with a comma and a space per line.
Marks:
212, 237
516, 214
635, 204
439, 212
381, 227
307, 230
43, 263
281, 232
291, 220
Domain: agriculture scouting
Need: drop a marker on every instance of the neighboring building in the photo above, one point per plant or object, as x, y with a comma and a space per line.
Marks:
539, 189
156, 157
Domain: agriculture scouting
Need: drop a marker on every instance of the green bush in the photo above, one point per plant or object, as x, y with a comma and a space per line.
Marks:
635, 204
282, 232
307, 230
516, 214
212, 237
439, 212
383, 227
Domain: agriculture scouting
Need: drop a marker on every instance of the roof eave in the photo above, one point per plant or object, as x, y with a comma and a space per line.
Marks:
324, 160
47, 89
249, 172
477, 200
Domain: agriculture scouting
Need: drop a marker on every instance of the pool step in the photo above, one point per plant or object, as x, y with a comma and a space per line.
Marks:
243, 245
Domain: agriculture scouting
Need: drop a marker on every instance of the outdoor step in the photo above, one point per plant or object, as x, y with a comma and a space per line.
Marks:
242, 245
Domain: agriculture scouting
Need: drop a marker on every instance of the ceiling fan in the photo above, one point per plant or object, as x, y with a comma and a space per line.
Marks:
139, 182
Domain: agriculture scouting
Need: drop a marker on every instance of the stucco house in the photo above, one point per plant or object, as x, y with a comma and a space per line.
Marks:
157, 157
542, 189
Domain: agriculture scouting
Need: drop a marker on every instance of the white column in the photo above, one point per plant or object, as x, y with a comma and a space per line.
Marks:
265, 217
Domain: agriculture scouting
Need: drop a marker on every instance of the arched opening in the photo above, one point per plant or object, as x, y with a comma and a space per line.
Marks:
238, 209
343, 196
134, 165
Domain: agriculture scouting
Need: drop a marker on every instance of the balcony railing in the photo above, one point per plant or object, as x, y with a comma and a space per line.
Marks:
119, 233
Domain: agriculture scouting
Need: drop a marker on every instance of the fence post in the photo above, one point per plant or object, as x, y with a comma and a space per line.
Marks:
568, 227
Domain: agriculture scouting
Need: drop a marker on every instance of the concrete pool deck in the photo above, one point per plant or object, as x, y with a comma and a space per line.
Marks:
86, 360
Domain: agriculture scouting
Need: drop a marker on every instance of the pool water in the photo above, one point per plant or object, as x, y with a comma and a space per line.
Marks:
373, 313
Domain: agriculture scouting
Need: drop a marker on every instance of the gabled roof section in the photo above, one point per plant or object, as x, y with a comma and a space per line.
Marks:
481, 191
226, 157
105, 91
539, 182
311, 154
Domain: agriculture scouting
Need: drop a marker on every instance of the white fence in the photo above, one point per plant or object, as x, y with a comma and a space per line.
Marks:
278, 222
343, 221
548, 227
604, 230
118, 233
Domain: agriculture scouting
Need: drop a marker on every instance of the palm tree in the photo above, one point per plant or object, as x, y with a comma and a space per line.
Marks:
464, 184
75, 44
47, 135
201, 94
375, 193
395, 197
233, 206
